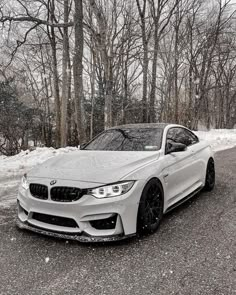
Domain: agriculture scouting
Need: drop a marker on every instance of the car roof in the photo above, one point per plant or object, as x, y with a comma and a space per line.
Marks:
143, 125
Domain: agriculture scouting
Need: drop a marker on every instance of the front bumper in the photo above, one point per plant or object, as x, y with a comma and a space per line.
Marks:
79, 238
84, 212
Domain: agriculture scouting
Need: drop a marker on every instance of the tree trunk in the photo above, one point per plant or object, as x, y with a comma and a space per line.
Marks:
70, 106
176, 90
108, 94
78, 68
65, 68
55, 78
152, 111
92, 84
145, 73
126, 91
142, 15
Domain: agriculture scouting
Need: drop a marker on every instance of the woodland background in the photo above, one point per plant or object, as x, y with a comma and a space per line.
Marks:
71, 68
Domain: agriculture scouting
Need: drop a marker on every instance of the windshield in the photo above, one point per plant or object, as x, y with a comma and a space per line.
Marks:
127, 139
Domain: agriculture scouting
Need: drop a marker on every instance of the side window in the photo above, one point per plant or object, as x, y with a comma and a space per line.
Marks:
181, 135
192, 137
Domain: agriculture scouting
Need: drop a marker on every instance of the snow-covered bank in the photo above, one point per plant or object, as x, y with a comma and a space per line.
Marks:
219, 139
16, 166
19, 164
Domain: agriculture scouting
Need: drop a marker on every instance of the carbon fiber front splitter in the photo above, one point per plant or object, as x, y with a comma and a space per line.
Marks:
80, 238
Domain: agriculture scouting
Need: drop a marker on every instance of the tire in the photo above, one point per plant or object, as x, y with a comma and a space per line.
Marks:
150, 210
210, 175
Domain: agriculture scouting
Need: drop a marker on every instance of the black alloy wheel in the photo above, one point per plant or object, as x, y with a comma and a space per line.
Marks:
210, 175
150, 210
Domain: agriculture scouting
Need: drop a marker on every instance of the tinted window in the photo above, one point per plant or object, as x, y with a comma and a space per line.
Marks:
130, 139
182, 135
191, 137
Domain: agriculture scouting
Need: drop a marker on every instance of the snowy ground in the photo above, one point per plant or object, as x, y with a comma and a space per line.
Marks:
219, 139
12, 168
24, 161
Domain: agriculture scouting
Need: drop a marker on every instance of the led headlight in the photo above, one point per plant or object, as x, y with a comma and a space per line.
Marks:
24, 182
112, 190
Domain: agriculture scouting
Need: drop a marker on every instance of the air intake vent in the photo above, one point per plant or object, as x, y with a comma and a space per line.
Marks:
55, 220
66, 194
39, 191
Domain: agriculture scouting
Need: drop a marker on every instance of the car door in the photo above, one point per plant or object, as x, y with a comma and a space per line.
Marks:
197, 149
180, 173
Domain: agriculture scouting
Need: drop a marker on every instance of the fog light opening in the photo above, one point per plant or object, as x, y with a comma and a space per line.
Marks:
103, 224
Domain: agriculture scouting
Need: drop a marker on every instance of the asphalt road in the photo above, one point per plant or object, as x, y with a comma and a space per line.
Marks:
193, 252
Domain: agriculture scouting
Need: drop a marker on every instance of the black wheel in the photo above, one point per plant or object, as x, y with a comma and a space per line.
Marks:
210, 175
150, 210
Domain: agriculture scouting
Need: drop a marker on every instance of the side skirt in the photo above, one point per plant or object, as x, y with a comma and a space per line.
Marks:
183, 200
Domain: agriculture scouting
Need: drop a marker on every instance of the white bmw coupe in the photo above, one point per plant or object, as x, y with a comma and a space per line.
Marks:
118, 185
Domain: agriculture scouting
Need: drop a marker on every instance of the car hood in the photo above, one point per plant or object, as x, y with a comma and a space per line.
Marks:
101, 167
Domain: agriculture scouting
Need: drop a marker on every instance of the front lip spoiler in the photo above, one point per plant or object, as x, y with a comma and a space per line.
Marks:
79, 238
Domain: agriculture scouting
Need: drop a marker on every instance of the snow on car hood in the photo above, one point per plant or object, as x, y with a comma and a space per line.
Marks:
93, 166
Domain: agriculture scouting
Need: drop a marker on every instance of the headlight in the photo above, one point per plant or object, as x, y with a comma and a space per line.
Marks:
24, 182
112, 190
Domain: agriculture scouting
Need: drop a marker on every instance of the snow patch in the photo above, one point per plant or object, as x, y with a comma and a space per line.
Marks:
219, 139
24, 161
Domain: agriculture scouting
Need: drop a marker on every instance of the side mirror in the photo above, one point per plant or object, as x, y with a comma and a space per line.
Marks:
82, 146
174, 147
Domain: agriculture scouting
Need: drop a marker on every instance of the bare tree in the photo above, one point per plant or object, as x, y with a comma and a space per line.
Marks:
161, 17
65, 70
78, 68
142, 10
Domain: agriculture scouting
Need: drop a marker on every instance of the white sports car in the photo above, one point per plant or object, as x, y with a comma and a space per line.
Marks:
118, 185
